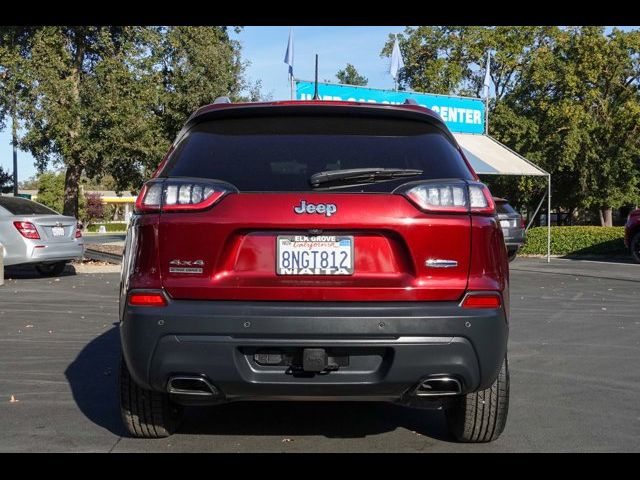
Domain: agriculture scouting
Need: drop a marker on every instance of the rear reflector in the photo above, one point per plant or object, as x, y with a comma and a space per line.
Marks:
27, 230
147, 300
482, 301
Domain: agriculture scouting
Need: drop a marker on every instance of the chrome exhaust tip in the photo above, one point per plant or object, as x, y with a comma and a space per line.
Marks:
191, 385
438, 387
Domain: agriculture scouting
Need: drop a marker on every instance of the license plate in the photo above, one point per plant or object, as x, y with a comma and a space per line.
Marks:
57, 231
314, 255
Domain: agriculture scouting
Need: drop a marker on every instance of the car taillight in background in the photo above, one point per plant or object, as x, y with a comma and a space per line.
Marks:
450, 196
180, 195
78, 231
27, 230
523, 225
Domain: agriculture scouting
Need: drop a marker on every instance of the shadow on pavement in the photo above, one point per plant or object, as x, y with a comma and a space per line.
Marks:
600, 258
25, 272
329, 419
93, 379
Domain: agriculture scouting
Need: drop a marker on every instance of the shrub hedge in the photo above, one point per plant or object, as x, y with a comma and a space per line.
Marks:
111, 227
579, 240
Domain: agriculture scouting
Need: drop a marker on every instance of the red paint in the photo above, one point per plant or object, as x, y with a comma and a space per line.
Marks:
236, 241
631, 227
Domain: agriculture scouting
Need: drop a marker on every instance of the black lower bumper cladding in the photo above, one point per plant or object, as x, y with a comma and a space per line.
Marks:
314, 350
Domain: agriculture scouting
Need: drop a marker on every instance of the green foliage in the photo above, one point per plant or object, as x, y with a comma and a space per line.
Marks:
581, 240
350, 76
51, 190
566, 98
197, 64
6, 180
13, 85
106, 102
50, 187
110, 227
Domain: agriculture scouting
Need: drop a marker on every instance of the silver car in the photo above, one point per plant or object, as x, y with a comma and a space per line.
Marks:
34, 234
513, 227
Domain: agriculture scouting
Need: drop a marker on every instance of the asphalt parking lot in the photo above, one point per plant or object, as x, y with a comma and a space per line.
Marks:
574, 359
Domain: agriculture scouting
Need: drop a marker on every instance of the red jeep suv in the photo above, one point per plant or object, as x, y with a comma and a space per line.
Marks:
303, 250
632, 234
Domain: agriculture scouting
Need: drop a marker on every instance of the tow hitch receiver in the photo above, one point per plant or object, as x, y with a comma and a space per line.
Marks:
314, 359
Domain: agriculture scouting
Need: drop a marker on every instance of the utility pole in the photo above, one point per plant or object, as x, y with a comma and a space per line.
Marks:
14, 141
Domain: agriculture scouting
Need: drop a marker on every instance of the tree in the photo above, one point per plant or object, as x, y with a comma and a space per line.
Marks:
450, 60
197, 64
6, 181
94, 207
90, 105
51, 190
50, 186
108, 101
14, 45
579, 105
350, 76
565, 98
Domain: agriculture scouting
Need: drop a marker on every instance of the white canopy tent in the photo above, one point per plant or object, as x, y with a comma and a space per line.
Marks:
489, 157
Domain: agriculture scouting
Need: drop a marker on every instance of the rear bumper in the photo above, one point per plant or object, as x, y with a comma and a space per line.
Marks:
513, 237
391, 346
54, 252
39, 252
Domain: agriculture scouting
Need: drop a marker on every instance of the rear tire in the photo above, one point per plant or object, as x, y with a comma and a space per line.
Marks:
51, 269
145, 413
635, 247
512, 255
481, 416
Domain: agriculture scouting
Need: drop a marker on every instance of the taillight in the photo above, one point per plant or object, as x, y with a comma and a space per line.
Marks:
180, 195
450, 196
482, 300
523, 225
27, 230
78, 231
147, 299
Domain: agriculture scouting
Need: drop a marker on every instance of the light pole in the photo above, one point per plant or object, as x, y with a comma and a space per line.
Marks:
14, 141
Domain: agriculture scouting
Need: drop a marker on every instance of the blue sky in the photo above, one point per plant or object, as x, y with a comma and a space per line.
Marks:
264, 47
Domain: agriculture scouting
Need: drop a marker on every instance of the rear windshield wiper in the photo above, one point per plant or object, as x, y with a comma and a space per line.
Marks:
359, 176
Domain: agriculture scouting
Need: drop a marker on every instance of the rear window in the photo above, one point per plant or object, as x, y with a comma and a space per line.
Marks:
280, 153
504, 207
22, 206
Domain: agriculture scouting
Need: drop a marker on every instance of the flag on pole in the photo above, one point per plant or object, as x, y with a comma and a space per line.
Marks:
288, 57
396, 59
487, 77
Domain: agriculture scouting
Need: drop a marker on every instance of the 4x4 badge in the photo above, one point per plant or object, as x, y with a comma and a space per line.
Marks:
327, 209
186, 266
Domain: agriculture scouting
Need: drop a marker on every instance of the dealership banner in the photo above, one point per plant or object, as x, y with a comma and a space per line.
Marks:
461, 114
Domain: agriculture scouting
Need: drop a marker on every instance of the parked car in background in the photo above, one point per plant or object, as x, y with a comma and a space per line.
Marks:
632, 234
34, 234
315, 250
513, 227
